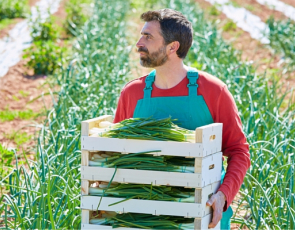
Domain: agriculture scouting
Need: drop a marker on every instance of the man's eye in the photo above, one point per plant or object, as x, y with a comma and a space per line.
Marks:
148, 36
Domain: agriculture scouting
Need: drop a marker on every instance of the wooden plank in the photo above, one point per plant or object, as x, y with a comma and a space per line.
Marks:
210, 135
95, 226
210, 169
206, 176
84, 157
202, 195
169, 148
202, 223
91, 123
85, 216
191, 180
153, 207
85, 187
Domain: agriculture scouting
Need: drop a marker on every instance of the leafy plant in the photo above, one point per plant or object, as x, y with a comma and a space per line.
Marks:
229, 26
282, 40
214, 11
77, 11
44, 30
18, 137
4, 23
13, 9
24, 93
45, 57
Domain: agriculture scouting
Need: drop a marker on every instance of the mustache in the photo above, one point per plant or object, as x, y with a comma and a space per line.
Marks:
143, 49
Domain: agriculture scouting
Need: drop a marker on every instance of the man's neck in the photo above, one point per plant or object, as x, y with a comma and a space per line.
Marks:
170, 74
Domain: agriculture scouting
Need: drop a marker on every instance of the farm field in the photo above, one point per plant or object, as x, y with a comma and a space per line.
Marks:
40, 151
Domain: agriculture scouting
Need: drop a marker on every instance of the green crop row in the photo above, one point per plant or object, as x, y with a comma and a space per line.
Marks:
282, 41
46, 193
13, 9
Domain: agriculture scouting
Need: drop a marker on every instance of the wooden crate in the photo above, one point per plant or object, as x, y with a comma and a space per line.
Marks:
206, 179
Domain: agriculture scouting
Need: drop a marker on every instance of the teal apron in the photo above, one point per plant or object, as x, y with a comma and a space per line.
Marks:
190, 111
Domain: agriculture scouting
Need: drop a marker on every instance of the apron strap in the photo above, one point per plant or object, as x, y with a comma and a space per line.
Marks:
149, 80
192, 75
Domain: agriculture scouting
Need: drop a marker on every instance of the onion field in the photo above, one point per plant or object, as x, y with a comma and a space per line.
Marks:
45, 193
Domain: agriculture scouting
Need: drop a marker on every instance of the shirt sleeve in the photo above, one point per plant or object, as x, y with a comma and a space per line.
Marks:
120, 112
234, 146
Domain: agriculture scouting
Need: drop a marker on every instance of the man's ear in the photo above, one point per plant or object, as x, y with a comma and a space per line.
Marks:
173, 47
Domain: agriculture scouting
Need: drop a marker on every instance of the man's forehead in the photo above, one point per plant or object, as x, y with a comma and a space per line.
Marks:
152, 27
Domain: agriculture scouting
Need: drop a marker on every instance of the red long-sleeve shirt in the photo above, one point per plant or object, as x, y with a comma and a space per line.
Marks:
223, 110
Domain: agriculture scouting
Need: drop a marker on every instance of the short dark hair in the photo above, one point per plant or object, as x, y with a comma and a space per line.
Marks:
174, 27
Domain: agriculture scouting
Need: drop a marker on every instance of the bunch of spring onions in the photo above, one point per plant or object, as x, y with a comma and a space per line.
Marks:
144, 192
144, 221
150, 129
143, 161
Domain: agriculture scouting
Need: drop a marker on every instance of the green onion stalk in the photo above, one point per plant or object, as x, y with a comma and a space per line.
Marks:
144, 192
144, 221
143, 161
150, 129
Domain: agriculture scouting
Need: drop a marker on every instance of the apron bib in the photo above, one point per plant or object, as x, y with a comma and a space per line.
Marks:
190, 111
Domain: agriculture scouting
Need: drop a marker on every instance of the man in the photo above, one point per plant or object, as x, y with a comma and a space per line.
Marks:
194, 97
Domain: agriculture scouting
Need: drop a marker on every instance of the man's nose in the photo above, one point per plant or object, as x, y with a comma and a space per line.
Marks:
139, 43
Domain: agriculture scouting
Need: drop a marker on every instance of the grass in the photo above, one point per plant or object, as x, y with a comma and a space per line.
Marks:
18, 137
214, 11
250, 7
4, 23
24, 93
10, 115
6, 159
229, 26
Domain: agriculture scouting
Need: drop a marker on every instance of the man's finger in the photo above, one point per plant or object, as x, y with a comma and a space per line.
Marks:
211, 201
217, 215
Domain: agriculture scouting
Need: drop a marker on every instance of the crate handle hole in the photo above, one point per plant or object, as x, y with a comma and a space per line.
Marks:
211, 166
209, 196
212, 137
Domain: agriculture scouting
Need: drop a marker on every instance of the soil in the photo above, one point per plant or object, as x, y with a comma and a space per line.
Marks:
263, 11
18, 87
262, 57
4, 32
290, 2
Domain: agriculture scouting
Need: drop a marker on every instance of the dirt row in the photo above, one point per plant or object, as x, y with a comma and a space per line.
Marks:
263, 57
18, 88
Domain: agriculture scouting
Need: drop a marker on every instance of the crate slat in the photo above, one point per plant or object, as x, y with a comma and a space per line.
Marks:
200, 224
207, 174
153, 207
168, 148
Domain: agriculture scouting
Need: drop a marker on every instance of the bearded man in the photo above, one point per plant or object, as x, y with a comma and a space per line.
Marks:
193, 97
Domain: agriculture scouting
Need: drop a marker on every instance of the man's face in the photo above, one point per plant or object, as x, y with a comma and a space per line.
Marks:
151, 45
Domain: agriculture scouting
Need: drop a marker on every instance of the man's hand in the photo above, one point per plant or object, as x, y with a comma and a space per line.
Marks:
217, 202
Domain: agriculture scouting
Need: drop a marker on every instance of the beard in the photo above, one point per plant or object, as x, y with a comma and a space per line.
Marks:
154, 59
